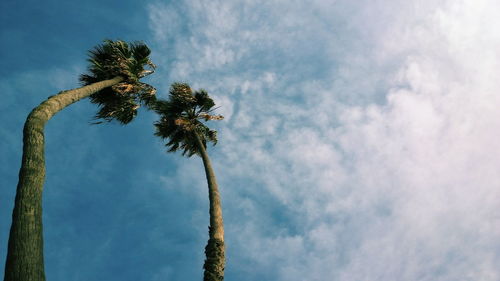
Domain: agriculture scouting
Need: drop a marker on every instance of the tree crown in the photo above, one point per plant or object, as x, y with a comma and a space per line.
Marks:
181, 119
128, 61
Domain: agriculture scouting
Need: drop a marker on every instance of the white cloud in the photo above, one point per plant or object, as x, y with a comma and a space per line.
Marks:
372, 126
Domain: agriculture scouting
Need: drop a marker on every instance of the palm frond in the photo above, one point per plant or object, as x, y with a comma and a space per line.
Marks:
181, 119
129, 61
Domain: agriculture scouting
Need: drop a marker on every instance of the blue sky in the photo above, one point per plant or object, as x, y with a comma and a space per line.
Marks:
360, 140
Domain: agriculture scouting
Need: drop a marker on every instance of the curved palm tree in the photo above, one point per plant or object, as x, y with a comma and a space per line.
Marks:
181, 123
112, 83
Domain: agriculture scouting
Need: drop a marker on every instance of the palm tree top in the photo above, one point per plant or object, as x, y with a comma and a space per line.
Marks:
181, 119
131, 62
118, 58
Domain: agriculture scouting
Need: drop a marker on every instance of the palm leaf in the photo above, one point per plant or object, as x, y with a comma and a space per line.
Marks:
181, 119
129, 61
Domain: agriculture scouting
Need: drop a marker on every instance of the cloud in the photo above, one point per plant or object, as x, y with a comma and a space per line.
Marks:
362, 138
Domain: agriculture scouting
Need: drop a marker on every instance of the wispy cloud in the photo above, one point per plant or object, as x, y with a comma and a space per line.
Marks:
362, 138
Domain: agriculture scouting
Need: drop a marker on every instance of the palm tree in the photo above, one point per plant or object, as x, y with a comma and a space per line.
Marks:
181, 123
112, 83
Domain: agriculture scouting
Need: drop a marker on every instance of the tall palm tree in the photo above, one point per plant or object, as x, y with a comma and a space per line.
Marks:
112, 83
181, 123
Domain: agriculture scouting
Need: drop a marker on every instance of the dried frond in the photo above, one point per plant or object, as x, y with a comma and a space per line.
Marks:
208, 117
185, 124
124, 88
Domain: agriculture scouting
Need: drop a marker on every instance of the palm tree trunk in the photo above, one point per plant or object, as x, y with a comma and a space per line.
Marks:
25, 250
214, 251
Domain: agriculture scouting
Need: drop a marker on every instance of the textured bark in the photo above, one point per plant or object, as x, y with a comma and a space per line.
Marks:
214, 251
25, 250
214, 263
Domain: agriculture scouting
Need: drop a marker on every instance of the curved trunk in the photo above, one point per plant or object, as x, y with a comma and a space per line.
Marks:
25, 250
214, 251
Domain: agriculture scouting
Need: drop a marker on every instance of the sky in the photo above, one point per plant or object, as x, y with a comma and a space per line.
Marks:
360, 139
